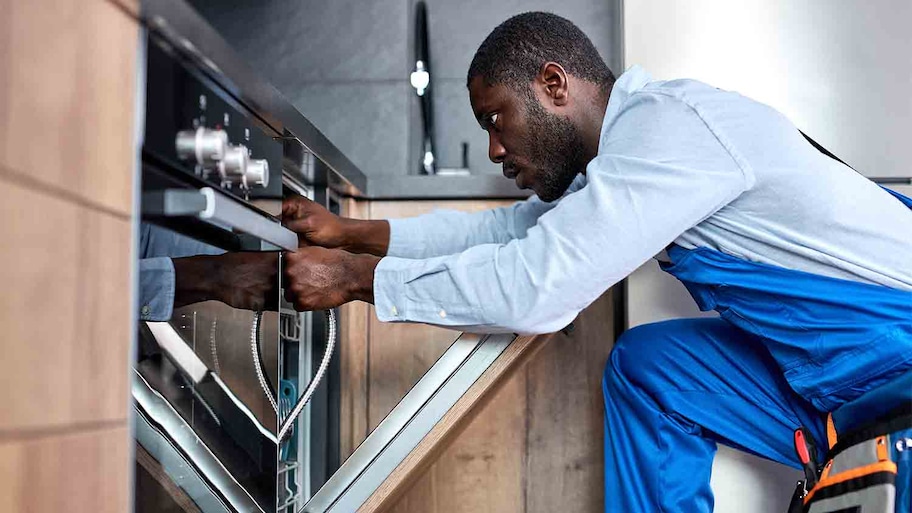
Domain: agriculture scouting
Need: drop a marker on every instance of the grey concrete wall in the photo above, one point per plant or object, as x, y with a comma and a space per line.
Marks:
345, 65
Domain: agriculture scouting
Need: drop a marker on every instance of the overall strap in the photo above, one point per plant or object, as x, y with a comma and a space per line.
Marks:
819, 147
825, 151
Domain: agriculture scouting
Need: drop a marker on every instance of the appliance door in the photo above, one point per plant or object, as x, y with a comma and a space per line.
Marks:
201, 384
204, 380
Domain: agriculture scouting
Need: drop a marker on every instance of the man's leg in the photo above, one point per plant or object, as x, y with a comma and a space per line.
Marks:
672, 390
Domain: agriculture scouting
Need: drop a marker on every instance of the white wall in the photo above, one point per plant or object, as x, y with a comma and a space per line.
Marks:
841, 70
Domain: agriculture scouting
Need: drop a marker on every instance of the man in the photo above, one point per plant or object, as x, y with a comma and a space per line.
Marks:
809, 263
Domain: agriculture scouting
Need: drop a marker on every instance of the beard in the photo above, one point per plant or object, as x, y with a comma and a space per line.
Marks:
555, 148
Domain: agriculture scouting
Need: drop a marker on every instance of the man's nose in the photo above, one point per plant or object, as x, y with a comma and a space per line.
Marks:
496, 151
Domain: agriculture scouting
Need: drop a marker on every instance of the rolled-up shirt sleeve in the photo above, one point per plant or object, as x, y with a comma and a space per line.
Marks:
156, 269
643, 191
156, 288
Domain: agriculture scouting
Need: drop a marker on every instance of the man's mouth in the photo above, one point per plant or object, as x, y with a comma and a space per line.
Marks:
516, 174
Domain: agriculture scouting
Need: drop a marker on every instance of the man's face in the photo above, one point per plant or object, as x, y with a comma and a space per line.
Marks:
541, 150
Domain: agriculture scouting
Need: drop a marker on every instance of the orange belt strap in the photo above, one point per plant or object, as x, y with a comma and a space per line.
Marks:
831, 431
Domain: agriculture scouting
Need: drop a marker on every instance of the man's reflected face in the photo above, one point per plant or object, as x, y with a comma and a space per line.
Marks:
540, 150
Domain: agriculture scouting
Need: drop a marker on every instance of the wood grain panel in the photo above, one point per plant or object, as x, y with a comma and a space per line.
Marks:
66, 102
547, 416
76, 473
483, 469
354, 353
532, 443
400, 209
564, 416
401, 353
353, 410
447, 435
101, 346
65, 311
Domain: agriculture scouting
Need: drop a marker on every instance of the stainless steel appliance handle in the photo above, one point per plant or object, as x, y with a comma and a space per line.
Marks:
218, 209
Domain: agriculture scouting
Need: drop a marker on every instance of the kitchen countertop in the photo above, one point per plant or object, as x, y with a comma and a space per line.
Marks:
487, 186
186, 30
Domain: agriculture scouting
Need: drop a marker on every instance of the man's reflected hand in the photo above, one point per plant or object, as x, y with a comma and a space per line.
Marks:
245, 280
319, 278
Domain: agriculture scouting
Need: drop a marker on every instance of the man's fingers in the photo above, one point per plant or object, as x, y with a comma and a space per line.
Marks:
307, 285
299, 225
295, 205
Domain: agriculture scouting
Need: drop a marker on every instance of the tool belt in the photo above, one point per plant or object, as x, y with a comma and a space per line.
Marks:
858, 474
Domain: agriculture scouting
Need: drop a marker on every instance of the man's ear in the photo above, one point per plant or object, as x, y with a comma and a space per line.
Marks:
552, 79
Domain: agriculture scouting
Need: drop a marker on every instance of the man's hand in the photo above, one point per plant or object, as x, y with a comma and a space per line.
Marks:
314, 225
320, 278
317, 226
248, 281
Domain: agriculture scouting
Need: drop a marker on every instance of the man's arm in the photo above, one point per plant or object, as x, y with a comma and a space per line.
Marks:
445, 232
639, 198
199, 272
157, 283
442, 232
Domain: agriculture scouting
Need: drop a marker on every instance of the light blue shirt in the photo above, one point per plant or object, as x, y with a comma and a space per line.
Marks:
678, 162
156, 270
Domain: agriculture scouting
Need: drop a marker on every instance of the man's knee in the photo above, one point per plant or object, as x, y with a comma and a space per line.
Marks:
636, 356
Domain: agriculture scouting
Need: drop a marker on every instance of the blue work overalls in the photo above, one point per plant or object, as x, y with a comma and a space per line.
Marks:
789, 347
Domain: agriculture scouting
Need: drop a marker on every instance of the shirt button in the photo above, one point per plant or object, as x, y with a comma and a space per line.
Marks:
146, 309
442, 314
394, 311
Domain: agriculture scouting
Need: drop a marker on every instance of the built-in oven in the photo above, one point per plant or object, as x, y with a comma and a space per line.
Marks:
214, 377
220, 380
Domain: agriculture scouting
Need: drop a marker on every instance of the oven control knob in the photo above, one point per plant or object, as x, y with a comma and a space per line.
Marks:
204, 146
233, 168
257, 173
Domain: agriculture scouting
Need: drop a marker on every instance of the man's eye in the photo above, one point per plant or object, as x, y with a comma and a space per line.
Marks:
493, 120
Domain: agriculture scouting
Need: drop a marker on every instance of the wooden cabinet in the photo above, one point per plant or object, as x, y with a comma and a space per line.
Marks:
382, 361
533, 443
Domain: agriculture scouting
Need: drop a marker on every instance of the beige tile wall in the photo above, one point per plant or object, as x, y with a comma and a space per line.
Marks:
67, 80
74, 472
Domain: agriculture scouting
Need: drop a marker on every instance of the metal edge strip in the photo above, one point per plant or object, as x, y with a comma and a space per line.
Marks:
422, 423
183, 436
412, 419
394, 422
173, 462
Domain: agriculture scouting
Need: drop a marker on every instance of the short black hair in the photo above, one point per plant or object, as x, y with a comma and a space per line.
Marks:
514, 52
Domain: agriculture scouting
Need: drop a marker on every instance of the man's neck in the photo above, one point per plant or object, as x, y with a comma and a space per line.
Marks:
593, 118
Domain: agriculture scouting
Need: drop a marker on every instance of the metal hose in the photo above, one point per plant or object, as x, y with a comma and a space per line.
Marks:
258, 360
287, 424
213, 347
